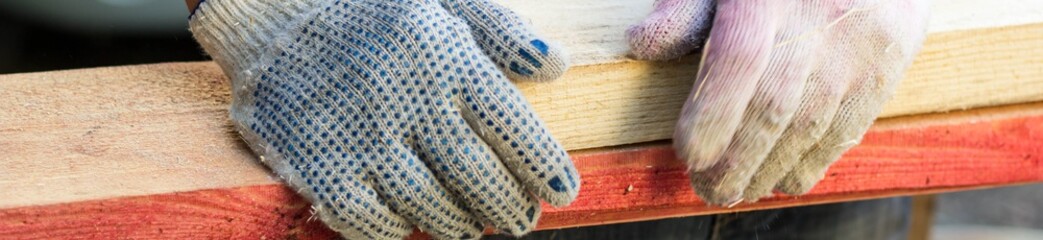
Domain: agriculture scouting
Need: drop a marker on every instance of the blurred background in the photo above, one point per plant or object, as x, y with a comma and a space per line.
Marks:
44, 35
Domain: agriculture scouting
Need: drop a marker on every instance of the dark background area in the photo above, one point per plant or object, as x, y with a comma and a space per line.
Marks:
32, 39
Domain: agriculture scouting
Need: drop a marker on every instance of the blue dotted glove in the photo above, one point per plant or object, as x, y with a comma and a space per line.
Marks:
392, 113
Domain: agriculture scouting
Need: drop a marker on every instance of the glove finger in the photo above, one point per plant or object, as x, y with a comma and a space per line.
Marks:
346, 202
502, 117
820, 101
768, 114
412, 190
468, 167
674, 28
327, 176
883, 39
736, 57
509, 41
853, 118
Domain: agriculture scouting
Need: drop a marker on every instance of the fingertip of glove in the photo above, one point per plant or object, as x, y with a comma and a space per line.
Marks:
660, 38
698, 158
725, 197
644, 44
753, 194
796, 186
538, 61
560, 191
521, 227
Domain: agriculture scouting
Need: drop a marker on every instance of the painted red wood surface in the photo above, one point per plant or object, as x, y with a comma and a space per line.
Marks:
887, 163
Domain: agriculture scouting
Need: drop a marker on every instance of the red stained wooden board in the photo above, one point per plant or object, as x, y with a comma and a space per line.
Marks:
619, 185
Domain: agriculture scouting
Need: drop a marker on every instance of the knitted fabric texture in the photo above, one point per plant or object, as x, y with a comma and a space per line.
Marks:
390, 114
784, 87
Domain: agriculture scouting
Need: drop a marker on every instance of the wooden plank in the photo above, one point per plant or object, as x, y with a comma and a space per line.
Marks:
257, 212
974, 57
122, 131
592, 29
912, 155
632, 102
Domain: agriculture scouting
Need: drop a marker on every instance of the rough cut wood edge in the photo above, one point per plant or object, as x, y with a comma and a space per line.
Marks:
916, 155
138, 130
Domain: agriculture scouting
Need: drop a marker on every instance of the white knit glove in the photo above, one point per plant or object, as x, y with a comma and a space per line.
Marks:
784, 88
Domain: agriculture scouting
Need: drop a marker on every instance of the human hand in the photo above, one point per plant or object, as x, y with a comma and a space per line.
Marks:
387, 114
784, 88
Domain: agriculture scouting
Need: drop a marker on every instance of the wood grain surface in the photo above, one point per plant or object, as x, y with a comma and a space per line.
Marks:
913, 155
138, 130
592, 30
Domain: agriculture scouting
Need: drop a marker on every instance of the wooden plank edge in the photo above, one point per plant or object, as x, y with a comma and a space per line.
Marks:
621, 185
65, 130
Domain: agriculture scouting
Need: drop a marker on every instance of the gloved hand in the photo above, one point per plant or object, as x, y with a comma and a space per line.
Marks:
784, 87
387, 114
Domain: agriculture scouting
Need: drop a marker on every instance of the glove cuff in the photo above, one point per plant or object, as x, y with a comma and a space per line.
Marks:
236, 32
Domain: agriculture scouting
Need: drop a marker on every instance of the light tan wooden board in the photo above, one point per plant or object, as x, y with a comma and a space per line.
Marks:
629, 102
137, 130
592, 30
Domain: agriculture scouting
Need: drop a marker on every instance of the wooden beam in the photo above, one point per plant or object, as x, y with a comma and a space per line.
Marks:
978, 54
632, 102
913, 155
592, 30
122, 131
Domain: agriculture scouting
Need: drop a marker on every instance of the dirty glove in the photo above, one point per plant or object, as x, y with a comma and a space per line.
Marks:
784, 88
390, 114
